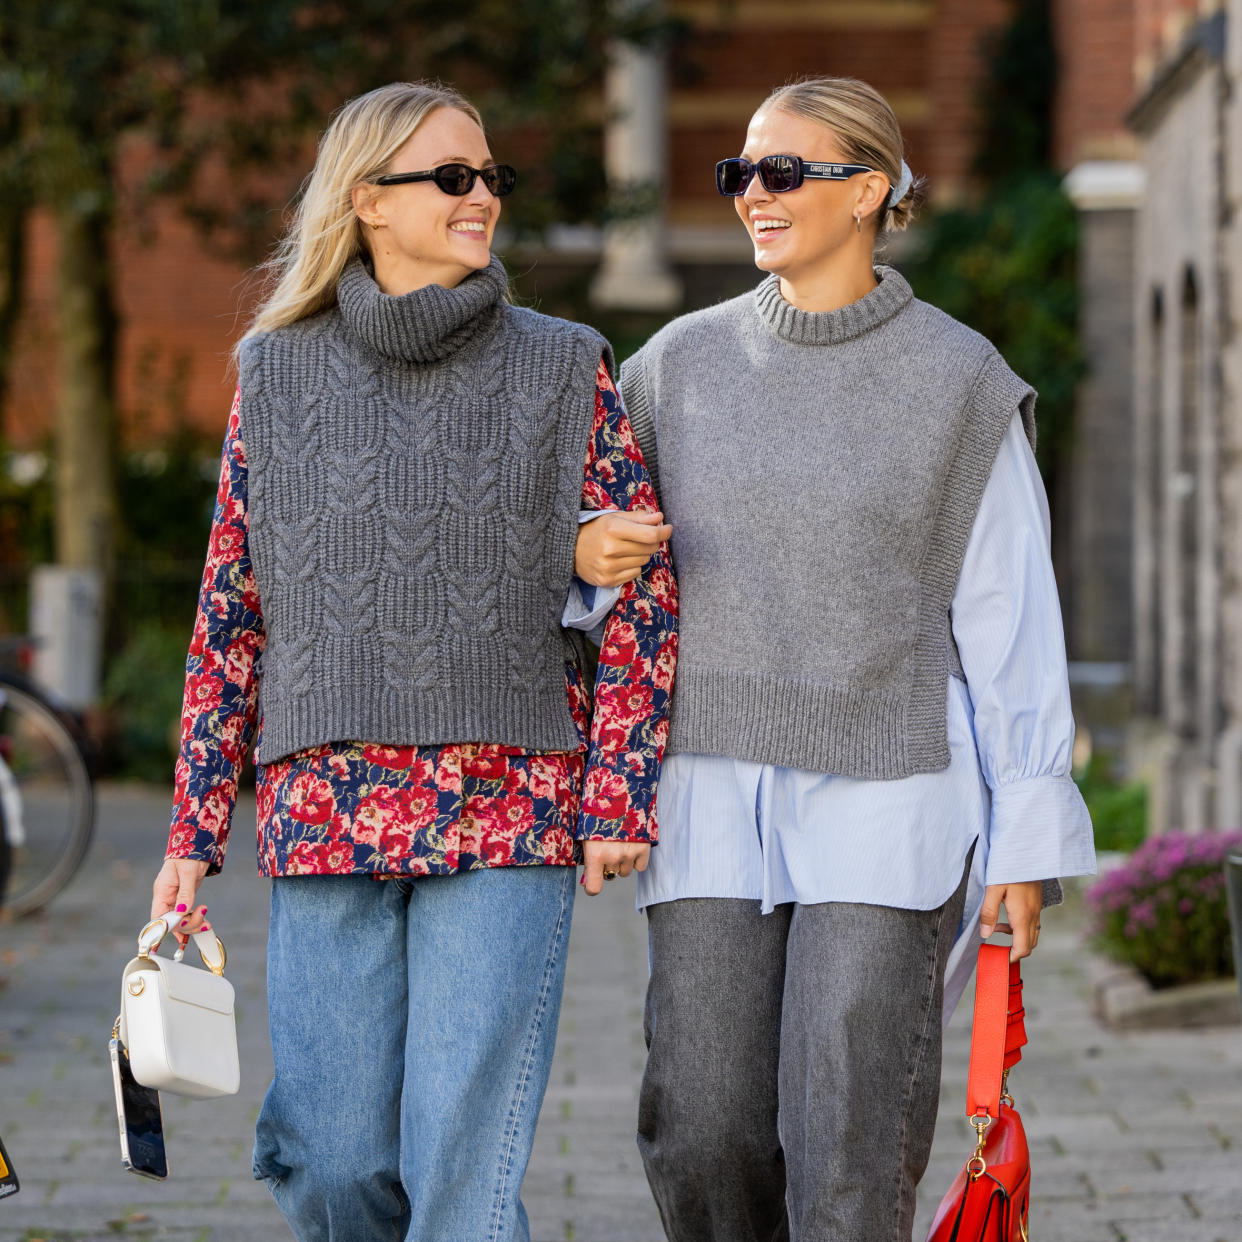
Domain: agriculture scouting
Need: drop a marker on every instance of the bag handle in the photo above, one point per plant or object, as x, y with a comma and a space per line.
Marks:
210, 947
998, 1034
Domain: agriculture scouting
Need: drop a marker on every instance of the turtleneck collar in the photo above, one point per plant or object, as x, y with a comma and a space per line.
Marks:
426, 325
832, 327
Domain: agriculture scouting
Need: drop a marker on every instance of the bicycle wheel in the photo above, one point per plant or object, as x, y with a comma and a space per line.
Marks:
47, 802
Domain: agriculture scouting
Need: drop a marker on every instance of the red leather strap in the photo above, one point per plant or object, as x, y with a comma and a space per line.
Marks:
1015, 1030
998, 1033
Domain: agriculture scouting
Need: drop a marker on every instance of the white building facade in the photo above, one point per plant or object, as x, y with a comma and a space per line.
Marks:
1187, 428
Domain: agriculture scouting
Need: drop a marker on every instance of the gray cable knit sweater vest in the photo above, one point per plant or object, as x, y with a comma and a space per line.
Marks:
415, 468
822, 472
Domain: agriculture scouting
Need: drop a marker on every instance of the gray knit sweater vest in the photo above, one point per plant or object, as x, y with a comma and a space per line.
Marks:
415, 472
822, 472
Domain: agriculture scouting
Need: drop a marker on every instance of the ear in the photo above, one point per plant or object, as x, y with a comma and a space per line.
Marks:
875, 188
365, 199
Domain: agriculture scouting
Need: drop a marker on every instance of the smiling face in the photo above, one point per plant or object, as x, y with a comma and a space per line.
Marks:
799, 234
426, 236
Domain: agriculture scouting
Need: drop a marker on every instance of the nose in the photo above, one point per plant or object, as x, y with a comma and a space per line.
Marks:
480, 196
755, 191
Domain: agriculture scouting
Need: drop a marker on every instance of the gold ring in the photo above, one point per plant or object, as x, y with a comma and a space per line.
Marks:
609, 874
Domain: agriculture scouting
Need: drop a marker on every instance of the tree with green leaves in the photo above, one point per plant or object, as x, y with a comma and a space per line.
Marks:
1020, 232
234, 90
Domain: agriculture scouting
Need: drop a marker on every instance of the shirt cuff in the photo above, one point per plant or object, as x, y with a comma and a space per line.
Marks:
1040, 830
587, 607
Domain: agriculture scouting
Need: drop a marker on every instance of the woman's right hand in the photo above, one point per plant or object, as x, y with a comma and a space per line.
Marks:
174, 889
613, 549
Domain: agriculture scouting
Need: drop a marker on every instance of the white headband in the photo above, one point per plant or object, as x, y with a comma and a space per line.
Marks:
902, 188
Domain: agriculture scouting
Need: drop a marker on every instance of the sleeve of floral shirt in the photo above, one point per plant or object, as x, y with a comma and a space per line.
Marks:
638, 654
221, 689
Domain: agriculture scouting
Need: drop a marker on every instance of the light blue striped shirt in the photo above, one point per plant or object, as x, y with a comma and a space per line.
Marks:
731, 828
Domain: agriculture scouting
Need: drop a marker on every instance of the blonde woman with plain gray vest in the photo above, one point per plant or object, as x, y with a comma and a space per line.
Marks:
871, 732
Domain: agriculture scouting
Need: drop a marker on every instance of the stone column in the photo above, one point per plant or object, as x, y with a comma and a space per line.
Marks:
635, 274
1107, 194
1229, 746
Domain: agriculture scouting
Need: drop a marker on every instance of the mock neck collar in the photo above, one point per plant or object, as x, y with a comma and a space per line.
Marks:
426, 325
832, 327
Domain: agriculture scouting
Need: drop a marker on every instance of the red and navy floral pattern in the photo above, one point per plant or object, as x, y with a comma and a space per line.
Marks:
354, 807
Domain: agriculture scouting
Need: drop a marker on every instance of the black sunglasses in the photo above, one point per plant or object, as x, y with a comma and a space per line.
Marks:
778, 173
458, 179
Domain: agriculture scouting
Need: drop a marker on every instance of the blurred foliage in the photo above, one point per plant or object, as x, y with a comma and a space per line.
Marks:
1006, 262
1015, 100
1118, 808
167, 493
1007, 267
142, 699
231, 93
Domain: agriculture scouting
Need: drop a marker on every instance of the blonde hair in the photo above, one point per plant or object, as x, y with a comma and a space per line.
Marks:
866, 128
325, 234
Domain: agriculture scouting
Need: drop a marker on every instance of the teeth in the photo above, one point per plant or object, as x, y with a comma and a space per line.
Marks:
468, 226
763, 226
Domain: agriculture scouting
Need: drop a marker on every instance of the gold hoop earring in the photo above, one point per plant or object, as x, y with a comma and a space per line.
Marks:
375, 224
858, 222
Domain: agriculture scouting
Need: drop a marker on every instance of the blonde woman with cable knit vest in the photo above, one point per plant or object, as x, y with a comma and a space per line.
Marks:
871, 733
405, 469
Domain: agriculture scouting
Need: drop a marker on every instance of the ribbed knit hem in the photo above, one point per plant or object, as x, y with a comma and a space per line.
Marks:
633, 389
799, 724
535, 718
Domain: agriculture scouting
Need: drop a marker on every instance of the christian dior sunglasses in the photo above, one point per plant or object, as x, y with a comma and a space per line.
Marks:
778, 173
458, 179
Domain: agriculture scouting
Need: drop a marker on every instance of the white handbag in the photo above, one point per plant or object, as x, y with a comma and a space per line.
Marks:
177, 1020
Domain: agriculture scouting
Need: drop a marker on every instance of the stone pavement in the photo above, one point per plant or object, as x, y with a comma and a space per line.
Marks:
1136, 1138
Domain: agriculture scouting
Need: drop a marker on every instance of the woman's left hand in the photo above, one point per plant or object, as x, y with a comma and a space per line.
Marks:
608, 859
1023, 904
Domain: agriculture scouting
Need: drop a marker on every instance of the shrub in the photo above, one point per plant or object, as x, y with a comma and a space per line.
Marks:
142, 694
1118, 808
1164, 912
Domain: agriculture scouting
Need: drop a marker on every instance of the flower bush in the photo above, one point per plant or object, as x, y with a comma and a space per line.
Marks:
1164, 912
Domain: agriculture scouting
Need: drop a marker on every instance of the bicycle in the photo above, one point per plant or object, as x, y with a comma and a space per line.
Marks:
47, 799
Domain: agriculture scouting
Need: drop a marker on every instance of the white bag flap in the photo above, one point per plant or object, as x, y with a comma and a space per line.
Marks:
192, 986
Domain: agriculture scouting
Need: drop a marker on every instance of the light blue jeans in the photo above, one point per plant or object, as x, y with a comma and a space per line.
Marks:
412, 1025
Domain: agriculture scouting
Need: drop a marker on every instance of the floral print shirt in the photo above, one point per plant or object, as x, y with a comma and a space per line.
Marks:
357, 808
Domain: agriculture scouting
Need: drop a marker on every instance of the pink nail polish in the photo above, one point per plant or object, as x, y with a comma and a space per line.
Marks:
206, 927
181, 908
184, 922
203, 910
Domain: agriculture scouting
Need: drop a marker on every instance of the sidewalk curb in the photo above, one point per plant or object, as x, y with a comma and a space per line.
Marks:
1125, 1001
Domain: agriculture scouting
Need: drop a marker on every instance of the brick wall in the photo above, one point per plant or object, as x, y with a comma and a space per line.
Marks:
1096, 41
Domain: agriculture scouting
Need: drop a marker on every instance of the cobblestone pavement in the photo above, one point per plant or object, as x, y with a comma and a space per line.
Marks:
1136, 1138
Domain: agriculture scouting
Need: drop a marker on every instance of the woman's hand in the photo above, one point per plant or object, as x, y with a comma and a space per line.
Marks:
613, 549
174, 889
615, 857
1023, 903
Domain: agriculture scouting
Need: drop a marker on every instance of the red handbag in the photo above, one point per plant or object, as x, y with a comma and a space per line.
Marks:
990, 1200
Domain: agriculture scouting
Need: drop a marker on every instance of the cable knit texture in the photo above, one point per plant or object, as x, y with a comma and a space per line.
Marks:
815, 606
415, 471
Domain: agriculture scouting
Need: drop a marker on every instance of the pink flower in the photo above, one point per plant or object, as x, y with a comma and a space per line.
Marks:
311, 799
606, 796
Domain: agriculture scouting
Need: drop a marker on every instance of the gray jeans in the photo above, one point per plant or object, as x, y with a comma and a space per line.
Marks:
793, 1073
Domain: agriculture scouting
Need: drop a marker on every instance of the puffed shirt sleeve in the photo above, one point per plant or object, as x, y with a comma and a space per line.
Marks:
1006, 620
